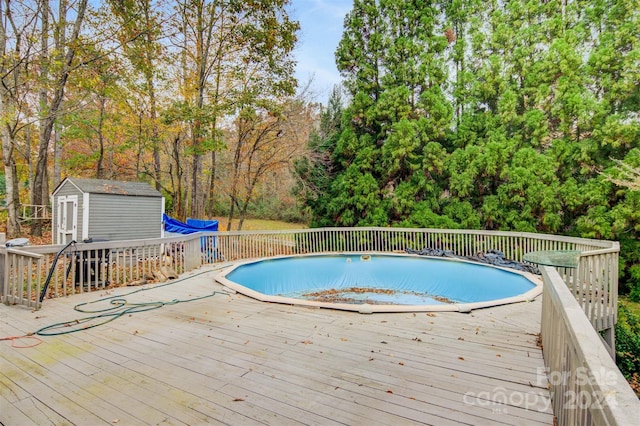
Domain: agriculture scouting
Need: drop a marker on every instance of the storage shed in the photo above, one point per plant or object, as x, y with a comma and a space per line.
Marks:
102, 209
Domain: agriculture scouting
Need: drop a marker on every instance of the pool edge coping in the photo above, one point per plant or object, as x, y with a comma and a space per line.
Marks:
366, 308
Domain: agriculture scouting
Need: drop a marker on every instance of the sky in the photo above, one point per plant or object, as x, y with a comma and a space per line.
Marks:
320, 31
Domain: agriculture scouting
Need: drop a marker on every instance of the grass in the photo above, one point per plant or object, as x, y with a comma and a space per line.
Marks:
633, 307
248, 225
258, 225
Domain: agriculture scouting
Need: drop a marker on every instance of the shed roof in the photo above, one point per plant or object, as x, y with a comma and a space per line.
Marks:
105, 186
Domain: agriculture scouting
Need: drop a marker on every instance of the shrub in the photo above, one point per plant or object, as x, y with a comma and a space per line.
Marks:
628, 346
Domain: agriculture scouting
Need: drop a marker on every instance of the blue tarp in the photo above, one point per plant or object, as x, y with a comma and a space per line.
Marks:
203, 225
207, 244
192, 225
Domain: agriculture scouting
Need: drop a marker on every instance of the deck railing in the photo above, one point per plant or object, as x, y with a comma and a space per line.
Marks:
586, 386
573, 297
88, 266
35, 212
85, 267
240, 245
20, 277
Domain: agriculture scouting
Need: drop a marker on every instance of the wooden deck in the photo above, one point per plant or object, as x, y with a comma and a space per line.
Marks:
232, 360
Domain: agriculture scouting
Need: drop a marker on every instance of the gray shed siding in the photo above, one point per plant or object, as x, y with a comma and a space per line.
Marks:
118, 217
108, 210
66, 189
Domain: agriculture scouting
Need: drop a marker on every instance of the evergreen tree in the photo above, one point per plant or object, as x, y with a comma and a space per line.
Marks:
392, 57
494, 115
316, 172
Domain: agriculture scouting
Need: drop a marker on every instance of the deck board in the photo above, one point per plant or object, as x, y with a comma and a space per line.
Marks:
228, 359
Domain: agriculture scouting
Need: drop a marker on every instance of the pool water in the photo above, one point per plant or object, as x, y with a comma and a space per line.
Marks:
379, 279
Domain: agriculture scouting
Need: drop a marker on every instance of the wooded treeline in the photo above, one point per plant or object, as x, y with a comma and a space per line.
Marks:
484, 114
196, 97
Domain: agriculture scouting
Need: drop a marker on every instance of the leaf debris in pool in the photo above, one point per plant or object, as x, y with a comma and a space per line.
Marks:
342, 295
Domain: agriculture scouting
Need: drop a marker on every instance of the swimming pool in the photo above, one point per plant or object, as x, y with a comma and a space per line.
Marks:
380, 282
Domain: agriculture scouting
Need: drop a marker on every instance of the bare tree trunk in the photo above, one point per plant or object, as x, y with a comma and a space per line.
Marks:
99, 161
27, 156
48, 113
178, 198
212, 185
37, 188
153, 112
10, 73
195, 173
235, 176
11, 182
60, 41
140, 143
57, 157
231, 212
155, 138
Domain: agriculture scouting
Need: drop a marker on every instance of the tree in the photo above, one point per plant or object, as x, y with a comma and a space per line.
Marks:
628, 176
17, 47
392, 57
316, 171
233, 56
219, 42
499, 115
53, 77
266, 141
140, 34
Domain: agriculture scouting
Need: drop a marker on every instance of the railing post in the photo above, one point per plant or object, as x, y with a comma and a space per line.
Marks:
4, 271
610, 340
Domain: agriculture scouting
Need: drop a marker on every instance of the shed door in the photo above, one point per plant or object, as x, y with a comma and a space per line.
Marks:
67, 219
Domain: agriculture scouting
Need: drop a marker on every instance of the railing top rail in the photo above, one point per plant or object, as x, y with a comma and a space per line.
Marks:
115, 244
622, 405
601, 251
598, 245
21, 252
551, 237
